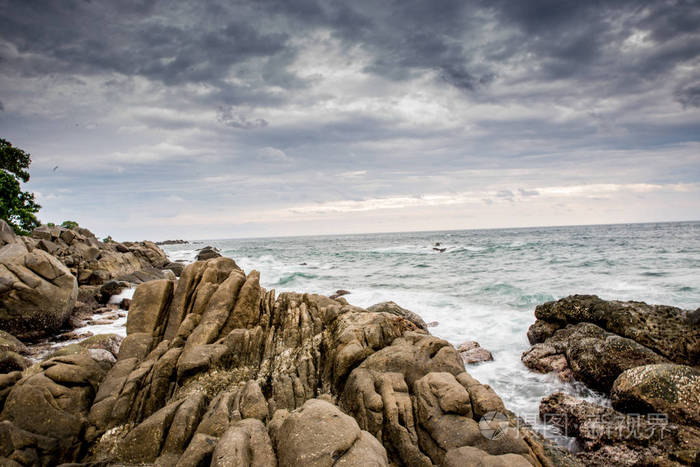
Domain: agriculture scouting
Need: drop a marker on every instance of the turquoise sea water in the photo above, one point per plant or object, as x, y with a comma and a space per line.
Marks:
485, 286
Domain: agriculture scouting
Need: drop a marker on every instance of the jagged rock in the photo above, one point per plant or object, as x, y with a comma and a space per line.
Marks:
176, 268
393, 308
666, 330
594, 356
217, 370
471, 352
37, 292
7, 235
208, 252
608, 437
95, 262
669, 389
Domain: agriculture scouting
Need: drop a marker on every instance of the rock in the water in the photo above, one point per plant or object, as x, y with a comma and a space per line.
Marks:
666, 330
393, 308
594, 356
471, 353
668, 389
339, 293
608, 437
208, 252
37, 292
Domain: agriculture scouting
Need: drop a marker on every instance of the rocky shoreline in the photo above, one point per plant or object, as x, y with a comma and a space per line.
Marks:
216, 370
644, 357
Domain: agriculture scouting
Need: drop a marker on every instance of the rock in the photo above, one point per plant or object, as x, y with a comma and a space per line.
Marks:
665, 330
125, 304
339, 293
471, 352
208, 359
669, 389
208, 252
393, 308
176, 268
593, 356
608, 437
48, 407
109, 288
173, 242
432, 324
320, 435
12, 361
108, 342
467, 455
245, 443
37, 292
11, 343
7, 235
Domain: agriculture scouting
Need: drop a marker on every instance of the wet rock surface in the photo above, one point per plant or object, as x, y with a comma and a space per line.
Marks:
216, 370
644, 356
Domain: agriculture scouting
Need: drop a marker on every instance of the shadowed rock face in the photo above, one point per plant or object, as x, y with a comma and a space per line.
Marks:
216, 370
37, 292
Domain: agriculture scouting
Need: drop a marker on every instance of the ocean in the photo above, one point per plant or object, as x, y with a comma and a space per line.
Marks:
486, 283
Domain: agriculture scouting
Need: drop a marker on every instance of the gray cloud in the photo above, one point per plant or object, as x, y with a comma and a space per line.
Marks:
689, 96
228, 117
412, 95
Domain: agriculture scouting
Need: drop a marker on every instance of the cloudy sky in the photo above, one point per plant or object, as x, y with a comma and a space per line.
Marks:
213, 119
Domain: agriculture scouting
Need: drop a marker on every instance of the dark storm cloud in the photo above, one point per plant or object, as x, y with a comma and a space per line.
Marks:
689, 96
365, 98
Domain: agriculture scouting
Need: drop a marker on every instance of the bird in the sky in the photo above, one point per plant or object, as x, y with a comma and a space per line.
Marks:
55, 168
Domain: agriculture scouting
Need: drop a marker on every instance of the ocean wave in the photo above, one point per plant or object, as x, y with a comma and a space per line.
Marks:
290, 278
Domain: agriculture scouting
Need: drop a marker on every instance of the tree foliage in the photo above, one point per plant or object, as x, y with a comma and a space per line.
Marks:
17, 207
70, 225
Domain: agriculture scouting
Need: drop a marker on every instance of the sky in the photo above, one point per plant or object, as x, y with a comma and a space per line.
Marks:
217, 119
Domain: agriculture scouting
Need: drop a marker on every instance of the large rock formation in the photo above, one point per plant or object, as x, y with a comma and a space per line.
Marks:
94, 262
216, 370
37, 292
594, 341
644, 356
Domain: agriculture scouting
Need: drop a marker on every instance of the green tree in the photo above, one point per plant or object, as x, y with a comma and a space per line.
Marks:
70, 225
17, 207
